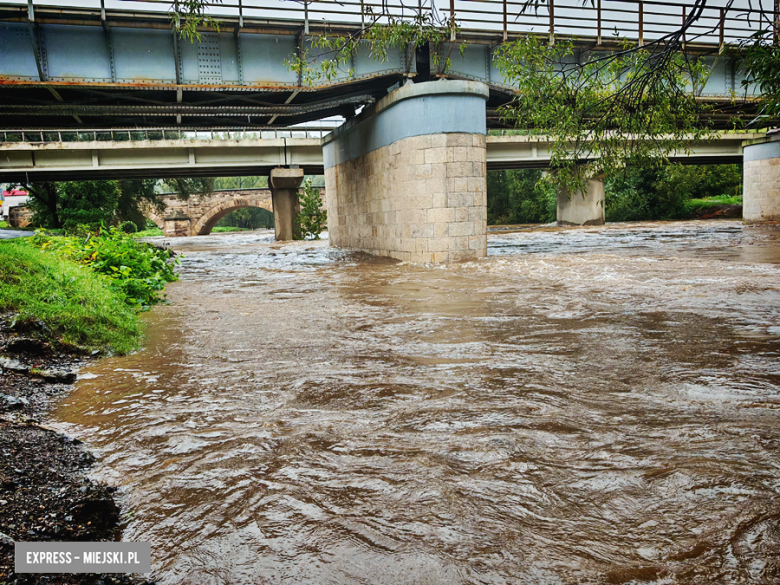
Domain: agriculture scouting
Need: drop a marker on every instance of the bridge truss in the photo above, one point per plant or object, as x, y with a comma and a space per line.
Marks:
113, 64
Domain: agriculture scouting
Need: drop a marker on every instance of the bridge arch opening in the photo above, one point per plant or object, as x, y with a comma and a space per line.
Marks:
158, 221
209, 219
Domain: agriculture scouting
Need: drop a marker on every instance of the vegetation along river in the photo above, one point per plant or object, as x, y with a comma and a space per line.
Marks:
595, 405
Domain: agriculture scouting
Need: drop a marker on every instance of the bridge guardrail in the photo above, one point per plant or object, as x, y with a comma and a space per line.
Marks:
638, 20
130, 134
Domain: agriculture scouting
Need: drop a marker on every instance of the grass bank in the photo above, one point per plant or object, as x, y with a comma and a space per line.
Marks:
83, 291
152, 232
692, 206
64, 301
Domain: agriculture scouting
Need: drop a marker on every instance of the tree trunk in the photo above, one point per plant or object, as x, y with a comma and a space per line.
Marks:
51, 204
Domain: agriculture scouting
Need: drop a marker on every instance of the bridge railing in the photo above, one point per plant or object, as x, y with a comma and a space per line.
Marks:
637, 20
132, 134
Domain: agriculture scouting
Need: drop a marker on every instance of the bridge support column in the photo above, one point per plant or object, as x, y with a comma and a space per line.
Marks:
579, 209
407, 177
761, 182
284, 185
177, 224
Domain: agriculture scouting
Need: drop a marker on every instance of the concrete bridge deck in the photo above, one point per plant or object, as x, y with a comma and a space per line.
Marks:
21, 161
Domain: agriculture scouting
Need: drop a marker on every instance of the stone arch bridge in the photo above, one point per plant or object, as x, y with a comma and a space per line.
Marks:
198, 215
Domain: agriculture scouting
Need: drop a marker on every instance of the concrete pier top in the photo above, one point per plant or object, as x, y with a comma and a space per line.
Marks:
431, 107
441, 87
283, 178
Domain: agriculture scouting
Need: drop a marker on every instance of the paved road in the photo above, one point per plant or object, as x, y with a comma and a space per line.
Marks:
9, 234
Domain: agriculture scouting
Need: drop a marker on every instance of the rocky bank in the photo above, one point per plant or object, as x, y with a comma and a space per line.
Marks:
45, 494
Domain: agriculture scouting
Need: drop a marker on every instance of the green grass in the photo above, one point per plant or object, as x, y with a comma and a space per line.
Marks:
150, 233
4, 225
75, 303
694, 205
218, 230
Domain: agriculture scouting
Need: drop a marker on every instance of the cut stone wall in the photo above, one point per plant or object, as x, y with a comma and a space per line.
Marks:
419, 199
204, 212
761, 191
19, 216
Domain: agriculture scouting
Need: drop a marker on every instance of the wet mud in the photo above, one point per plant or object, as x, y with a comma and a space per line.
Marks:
45, 493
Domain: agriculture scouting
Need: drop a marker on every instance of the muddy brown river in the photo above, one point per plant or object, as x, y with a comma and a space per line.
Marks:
596, 405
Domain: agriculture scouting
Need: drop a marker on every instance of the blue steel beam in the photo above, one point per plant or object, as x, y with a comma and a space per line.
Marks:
144, 52
154, 57
81, 50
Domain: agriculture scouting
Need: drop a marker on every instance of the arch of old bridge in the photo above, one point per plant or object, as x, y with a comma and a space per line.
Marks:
198, 215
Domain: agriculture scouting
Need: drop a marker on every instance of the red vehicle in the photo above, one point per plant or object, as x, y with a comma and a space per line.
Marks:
14, 193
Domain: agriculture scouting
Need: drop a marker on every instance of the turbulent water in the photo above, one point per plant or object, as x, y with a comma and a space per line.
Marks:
596, 405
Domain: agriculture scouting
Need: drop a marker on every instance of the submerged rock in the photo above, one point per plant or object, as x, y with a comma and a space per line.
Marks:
12, 402
13, 365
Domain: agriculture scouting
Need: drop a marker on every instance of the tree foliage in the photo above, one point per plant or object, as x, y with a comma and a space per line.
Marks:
190, 15
328, 55
518, 196
653, 193
191, 186
761, 60
240, 183
69, 204
633, 194
248, 217
630, 107
312, 219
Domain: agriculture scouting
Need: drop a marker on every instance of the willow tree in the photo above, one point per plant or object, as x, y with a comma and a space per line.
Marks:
631, 106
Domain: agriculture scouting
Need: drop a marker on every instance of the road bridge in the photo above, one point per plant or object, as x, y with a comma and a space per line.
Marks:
124, 154
160, 153
106, 63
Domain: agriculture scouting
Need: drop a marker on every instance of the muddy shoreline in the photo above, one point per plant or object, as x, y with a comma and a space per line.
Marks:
45, 494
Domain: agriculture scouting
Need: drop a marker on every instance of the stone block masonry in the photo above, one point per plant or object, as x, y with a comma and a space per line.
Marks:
198, 215
419, 199
761, 183
407, 177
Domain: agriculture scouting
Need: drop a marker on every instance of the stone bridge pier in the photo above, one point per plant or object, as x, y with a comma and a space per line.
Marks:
407, 177
761, 181
198, 215
580, 208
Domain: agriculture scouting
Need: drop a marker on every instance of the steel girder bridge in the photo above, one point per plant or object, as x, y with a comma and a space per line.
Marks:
118, 64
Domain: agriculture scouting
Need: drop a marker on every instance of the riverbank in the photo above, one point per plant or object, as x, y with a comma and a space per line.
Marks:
45, 494
63, 302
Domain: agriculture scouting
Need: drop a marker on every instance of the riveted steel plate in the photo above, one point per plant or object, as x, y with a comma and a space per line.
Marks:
209, 61
143, 55
17, 60
77, 53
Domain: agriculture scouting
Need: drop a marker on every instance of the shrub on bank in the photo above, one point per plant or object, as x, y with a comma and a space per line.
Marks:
71, 304
136, 271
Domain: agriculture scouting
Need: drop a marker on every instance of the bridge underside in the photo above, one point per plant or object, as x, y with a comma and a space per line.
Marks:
87, 68
87, 174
